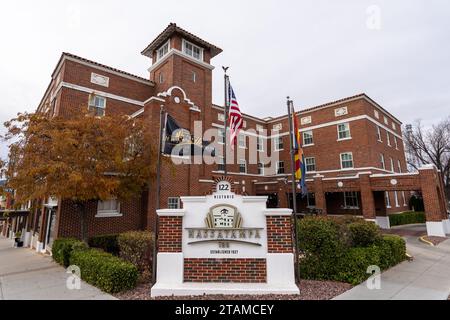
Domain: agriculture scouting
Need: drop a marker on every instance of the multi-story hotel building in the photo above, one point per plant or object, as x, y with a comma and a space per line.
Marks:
353, 147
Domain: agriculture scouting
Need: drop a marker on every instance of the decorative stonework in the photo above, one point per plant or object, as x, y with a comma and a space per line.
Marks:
305, 120
340, 111
99, 79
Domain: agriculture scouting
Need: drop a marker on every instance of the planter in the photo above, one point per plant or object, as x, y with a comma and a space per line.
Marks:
18, 243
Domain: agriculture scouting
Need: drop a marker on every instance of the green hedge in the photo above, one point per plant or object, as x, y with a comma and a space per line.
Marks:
342, 250
406, 218
62, 249
105, 271
106, 242
136, 248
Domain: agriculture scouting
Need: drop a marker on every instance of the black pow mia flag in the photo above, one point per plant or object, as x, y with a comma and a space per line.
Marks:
179, 141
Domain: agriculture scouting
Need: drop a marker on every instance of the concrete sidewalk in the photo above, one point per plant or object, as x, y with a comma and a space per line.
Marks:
427, 277
26, 275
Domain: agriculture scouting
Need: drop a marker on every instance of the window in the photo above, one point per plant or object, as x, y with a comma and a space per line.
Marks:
377, 115
379, 134
351, 200
97, 105
404, 199
221, 134
259, 127
311, 200
343, 131
161, 77
220, 163
397, 204
388, 139
242, 166
163, 51
194, 76
392, 165
395, 142
241, 141
308, 138
280, 167
383, 166
173, 203
109, 207
192, 50
388, 200
259, 144
394, 126
278, 143
386, 120
399, 165
260, 168
310, 164
346, 160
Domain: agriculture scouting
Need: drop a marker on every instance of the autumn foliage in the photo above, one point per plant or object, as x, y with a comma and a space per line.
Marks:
80, 159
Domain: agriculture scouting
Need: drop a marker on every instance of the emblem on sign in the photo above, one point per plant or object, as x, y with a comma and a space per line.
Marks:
223, 216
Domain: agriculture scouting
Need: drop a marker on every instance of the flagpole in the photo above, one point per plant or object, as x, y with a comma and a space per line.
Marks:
294, 194
225, 125
158, 191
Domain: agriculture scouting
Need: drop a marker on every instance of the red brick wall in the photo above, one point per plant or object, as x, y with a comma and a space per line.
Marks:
70, 223
225, 270
170, 234
279, 236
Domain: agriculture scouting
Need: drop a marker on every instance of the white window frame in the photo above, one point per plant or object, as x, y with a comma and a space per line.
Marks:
310, 132
395, 143
158, 55
310, 164
397, 204
260, 166
92, 103
170, 201
376, 114
184, 46
194, 76
276, 143
383, 164
242, 141
392, 165
399, 165
387, 199
351, 194
388, 139
243, 162
347, 129
220, 162
221, 136
260, 144
108, 213
404, 199
379, 134
161, 77
386, 120
278, 167
342, 161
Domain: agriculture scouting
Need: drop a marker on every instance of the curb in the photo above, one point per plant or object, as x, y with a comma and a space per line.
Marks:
422, 239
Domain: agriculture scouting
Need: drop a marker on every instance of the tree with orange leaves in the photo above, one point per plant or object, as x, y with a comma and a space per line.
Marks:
81, 158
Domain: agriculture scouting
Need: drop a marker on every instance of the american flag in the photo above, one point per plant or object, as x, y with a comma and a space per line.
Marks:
236, 122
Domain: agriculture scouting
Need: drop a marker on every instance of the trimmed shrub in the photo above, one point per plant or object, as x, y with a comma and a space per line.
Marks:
407, 218
327, 255
62, 249
397, 249
106, 242
363, 233
105, 271
136, 248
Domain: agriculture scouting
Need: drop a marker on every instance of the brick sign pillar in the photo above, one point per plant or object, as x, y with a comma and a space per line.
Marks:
225, 243
433, 195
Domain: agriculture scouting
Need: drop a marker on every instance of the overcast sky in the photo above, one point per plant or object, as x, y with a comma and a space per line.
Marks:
315, 51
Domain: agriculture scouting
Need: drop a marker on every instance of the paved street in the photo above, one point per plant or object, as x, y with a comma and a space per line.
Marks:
26, 275
427, 277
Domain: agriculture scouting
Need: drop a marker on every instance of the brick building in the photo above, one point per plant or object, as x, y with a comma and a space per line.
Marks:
353, 146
